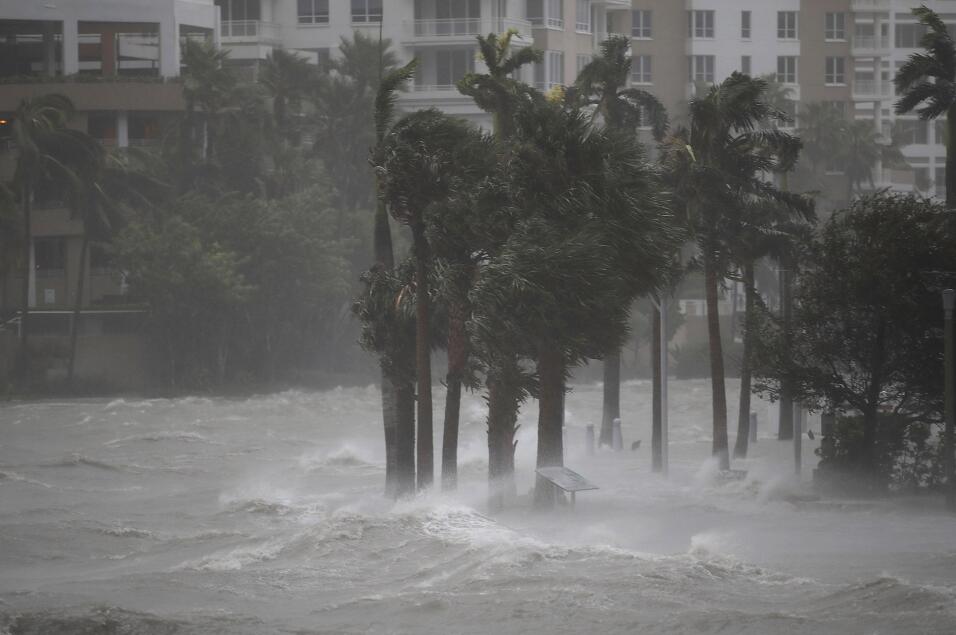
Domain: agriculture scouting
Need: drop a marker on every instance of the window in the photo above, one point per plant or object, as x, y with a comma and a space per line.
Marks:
836, 107
233, 10
786, 25
745, 64
908, 36
583, 60
49, 255
912, 131
702, 68
366, 11
745, 25
836, 71
583, 21
641, 69
451, 65
555, 68
550, 72
641, 24
835, 28
700, 24
787, 69
549, 13
313, 11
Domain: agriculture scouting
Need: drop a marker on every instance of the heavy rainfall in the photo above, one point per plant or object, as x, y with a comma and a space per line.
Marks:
474, 316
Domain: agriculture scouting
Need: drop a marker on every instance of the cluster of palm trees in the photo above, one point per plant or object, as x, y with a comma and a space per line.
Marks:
530, 244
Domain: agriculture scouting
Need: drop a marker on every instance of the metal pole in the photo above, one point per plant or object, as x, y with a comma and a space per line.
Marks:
797, 438
949, 390
663, 335
589, 439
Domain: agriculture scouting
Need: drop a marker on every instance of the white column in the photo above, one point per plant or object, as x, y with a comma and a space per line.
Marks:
122, 129
169, 48
71, 48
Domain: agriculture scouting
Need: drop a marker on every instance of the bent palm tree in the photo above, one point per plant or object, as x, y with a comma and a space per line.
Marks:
927, 84
425, 158
603, 85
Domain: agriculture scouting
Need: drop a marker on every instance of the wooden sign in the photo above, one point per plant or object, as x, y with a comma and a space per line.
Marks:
566, 479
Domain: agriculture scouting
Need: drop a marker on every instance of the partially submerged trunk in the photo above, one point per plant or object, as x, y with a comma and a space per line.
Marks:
657, 438
719, 398
457, 359
77, 306
23, 350
385, 258
423, 370
785, 425
743, 417
404, 438
503, 401
550, 421
612, 396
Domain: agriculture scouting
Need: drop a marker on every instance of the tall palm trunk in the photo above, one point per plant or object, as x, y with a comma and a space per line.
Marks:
785, 425
502, 425
612, 396
743, 416
457, 358
657, 437
404, 438
385, 258
719, 399
23, 352
951, 157
550, 420
77, 306
423, 370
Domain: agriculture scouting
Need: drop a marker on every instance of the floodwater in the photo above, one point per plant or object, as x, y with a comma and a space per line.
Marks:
264, 516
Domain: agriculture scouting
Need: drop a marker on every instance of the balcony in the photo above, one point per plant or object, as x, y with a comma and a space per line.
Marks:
870, 5
871, 45
249, 31
459, 30
869, 89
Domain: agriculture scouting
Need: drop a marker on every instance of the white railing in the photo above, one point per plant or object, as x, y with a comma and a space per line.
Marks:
465, 27
870, 5
249, 31
434, 88
871, 87
551, 23
870, 42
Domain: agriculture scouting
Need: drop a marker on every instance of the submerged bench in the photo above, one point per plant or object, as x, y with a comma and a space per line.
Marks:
566, 480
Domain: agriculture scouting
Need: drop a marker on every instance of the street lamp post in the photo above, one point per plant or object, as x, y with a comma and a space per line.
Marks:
949, 388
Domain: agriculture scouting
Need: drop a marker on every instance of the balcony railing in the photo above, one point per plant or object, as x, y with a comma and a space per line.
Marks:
870, 42
551, 23
872, 88
870, 5
465, 27
249, 31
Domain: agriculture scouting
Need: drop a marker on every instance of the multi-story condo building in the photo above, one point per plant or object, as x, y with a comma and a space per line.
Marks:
440, 33
843, 52
116, 60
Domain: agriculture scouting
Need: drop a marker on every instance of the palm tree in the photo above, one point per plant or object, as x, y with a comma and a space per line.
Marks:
286, 77
207, 86
425, 158
42, 140
397, 389
715, 165
588, 232
926, 84
497, 91
603, 85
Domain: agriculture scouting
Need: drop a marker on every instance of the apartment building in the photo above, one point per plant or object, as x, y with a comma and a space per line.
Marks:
440, 33
843, 52
117, 61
